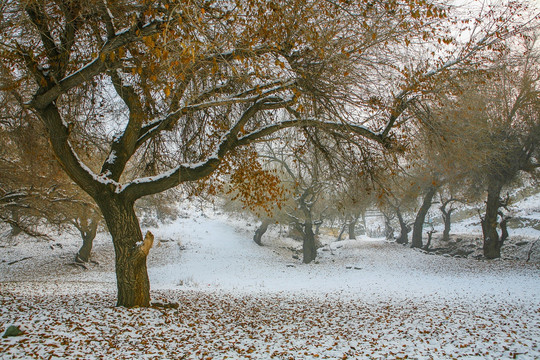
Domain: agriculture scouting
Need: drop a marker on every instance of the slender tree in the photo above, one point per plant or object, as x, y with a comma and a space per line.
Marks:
427, 201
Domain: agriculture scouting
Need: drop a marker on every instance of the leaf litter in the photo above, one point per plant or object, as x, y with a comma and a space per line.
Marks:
241, 301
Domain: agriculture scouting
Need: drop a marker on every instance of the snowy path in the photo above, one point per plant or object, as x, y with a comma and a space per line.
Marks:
215, 256
218, 256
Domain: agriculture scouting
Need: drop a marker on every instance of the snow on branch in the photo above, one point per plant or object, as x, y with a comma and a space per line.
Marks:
156, 184
315, 123
143, 247
251, 95
96, 66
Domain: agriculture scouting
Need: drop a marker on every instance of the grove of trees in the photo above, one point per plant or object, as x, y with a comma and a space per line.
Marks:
138, 97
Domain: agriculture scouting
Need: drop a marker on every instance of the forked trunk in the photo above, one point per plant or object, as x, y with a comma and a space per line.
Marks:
421, 217
447, 219
84, 253
130, 253
492, 241
88, 230
429, 238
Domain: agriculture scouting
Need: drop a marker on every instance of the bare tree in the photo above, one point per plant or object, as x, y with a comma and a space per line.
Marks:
447, 208
304, 174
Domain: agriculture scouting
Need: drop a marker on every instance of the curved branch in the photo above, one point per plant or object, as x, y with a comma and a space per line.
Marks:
68, 159
183, 173
156, 184
251, 95
123, 148
309, 122
95, 67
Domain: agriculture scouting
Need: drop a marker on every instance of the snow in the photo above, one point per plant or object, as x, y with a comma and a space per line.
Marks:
220, 256
528, 208
176, 171
112, 157
362, 299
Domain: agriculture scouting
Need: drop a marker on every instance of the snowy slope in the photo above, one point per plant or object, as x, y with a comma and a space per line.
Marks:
363, 299
218, 255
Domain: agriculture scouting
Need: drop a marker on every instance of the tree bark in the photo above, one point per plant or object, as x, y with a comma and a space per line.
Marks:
84, 253
404, 229
447, 219
131, 252
352, 226
88, 230
309, 247
260, 232
421, 217
492, 241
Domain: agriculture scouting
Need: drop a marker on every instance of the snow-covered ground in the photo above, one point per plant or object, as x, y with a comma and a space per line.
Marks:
362, 299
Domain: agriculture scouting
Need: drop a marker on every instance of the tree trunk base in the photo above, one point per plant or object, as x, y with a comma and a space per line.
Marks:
492, 249
257, 238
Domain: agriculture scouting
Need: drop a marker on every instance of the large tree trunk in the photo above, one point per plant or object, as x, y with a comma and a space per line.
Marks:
352, 226
492, 241
309, 247
421, 217
260, 232
404, 229
131, 252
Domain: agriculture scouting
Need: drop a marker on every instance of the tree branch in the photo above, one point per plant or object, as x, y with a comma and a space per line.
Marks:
66, 156
97, 66
310, 122
183, 173
123, 147
251, 95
